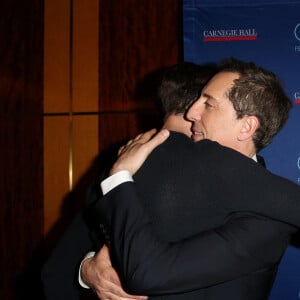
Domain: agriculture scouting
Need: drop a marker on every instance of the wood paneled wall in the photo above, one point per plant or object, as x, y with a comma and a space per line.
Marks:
136, 39
21, 144
76, 78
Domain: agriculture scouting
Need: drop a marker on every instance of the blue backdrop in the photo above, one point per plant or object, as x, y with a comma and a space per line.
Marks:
267, 33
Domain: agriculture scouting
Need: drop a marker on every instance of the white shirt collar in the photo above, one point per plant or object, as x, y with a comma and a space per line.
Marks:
254, 157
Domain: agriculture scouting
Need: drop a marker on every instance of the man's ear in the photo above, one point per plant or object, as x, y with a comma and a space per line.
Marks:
248, 127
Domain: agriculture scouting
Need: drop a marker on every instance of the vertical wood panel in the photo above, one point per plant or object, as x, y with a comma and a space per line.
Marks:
21, 188
56, 167
85, 55
85, 150
57, 36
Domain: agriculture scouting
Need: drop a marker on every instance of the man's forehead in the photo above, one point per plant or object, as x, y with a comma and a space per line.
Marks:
220, 84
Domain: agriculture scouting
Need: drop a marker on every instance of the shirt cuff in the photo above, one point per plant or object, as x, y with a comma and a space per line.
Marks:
88, 255
114, 180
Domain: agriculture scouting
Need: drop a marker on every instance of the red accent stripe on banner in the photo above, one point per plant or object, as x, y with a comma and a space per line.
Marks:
230, 38
297, 101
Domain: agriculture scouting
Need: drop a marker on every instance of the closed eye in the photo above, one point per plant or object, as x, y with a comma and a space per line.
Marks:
207, 104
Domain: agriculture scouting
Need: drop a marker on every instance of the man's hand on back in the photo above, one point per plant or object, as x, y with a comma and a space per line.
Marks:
98, 273
135, 152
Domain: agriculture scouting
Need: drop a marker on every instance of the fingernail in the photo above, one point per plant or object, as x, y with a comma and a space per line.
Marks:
165, 132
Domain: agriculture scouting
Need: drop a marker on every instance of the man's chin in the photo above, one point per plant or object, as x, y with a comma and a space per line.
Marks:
197, 137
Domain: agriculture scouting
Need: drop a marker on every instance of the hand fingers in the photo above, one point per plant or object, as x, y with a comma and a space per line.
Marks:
141, 138
121, 149
158, 139
144, 137
138, 137
111, 288
110, 296
114, 291
132, 156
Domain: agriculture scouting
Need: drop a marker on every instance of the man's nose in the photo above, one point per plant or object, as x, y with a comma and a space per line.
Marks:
194, 112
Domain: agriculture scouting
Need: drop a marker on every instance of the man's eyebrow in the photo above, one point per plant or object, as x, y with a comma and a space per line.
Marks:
211, 98
206, 95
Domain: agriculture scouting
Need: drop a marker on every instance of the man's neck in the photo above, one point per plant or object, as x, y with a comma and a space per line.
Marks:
246, 148
178, 123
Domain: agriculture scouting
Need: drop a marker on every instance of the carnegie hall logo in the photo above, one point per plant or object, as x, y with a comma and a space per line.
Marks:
224, 35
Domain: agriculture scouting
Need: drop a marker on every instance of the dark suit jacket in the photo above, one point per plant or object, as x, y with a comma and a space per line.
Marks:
60, 271
190, 188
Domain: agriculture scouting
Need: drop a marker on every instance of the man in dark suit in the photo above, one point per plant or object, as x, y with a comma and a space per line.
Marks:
179, 88
242, 107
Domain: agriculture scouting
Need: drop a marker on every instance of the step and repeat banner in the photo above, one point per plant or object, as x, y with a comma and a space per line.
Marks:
267, 33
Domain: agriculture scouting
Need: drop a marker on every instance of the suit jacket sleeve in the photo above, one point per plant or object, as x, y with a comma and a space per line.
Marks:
245, 244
